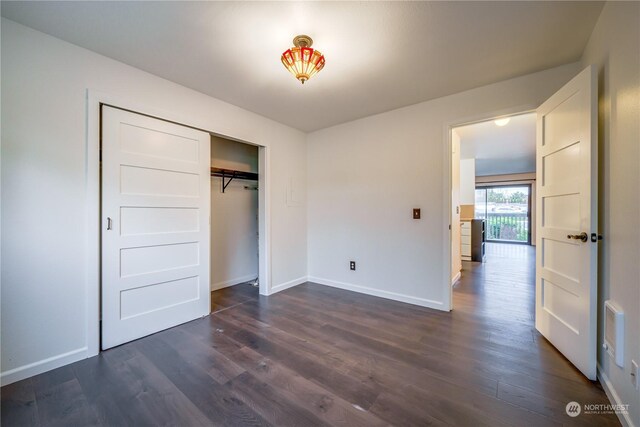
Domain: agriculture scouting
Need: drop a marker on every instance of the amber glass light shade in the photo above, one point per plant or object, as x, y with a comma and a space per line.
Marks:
303, 62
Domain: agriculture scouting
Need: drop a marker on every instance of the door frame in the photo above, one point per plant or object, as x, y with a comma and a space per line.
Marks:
529, 216
94, 102
447, 289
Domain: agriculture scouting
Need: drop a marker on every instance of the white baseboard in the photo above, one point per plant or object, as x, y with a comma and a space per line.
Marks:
456, 278
287, 285
232, 282
625, 419
41, 366
423, 302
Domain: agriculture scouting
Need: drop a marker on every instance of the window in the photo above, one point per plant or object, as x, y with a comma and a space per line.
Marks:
506, 210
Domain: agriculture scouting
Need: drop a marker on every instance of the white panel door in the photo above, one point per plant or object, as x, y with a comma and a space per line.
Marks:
155, 225
566, 260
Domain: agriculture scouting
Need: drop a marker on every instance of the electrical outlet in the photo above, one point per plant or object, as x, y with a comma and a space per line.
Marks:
352, 265
634, 374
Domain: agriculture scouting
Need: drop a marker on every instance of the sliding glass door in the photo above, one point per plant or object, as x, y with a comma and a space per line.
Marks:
507, 211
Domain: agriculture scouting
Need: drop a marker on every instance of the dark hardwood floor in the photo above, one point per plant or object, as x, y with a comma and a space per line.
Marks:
229, 297
314, 355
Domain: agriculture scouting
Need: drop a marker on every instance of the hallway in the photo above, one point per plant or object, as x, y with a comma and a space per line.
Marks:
503, 287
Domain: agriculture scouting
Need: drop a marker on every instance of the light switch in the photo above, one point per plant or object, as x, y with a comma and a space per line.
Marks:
416, 213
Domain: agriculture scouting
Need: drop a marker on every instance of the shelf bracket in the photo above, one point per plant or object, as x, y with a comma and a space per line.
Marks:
225, 185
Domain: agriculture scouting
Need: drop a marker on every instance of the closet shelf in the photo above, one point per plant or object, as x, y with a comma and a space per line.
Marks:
232, 174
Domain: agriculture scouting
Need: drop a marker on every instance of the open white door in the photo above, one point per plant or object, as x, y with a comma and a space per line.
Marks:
566, 262
155, 225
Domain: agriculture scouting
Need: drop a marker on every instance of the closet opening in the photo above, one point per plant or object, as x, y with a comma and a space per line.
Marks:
179, 212
234, 254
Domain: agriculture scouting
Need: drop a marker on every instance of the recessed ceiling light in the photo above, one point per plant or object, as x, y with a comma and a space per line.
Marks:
302, 60
502, 122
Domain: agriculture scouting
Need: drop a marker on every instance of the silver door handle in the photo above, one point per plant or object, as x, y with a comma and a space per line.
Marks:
109, 223
582, 236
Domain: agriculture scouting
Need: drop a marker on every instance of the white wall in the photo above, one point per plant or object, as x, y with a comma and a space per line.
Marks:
467, 181
228, 154
365, 176
615, 49
234, 216
44, 200
456, 242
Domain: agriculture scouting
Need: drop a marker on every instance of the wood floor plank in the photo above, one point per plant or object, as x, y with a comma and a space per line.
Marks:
270, 404
65, 404
156, 393
220, 367
362, 349
233, 295
314, 368
18, 404
496, 365
393, 374
110, 392
211, 398
399, 411
316, 399
315, 355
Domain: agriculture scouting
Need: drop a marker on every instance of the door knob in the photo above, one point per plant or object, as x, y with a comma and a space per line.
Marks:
582, 236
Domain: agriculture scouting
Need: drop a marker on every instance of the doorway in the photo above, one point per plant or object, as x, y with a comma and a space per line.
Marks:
234, 222
492, 219
566, 163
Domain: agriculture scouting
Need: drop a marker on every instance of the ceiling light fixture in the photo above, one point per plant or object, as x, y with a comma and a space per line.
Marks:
302, 60
502, 122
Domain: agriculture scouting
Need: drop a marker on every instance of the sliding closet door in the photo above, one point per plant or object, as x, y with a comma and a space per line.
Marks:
155, 225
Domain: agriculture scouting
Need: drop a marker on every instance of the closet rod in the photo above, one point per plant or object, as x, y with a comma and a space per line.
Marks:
232, 174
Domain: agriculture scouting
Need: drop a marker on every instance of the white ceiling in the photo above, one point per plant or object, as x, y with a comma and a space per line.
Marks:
500, 150
380, 55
